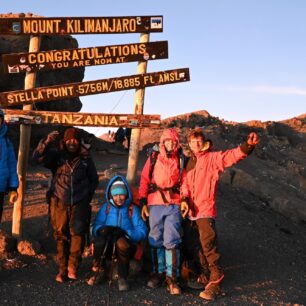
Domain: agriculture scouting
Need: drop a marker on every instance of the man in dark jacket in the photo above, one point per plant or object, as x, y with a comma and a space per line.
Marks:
8, 174
73, 185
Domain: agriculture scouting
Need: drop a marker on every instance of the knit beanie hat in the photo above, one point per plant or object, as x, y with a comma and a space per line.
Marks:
71, 133
118, 187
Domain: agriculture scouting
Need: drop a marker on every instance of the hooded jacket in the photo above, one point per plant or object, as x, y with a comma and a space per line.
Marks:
112, 215
203, 170
166, 174
75, 177
8, 173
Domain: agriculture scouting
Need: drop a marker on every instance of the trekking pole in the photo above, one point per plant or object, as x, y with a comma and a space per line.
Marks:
111, 272
96, 273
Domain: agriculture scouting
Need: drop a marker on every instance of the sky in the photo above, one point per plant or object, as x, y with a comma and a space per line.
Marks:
247, 59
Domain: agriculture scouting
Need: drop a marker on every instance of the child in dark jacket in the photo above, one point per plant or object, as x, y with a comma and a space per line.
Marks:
118, 224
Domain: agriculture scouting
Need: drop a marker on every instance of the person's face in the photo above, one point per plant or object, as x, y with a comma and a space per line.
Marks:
170, 144
196, 144
72, 145
119, 199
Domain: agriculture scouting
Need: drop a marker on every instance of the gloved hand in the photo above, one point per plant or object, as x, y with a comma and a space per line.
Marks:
144, 210
51, 137
105, 231
13, 196
253, 139
118, 233
184, 207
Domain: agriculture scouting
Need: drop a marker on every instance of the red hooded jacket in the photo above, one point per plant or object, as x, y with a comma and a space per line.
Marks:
203, 171
166, 174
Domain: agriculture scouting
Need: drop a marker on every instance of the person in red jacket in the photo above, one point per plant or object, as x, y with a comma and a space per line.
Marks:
162, 189
202, 172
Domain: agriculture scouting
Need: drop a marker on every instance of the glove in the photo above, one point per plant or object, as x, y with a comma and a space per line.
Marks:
51, 137
144, 212
118, 233
253, 139
13, 196
184, 207
106, 231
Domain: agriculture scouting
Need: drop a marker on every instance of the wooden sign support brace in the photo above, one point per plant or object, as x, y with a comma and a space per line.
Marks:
24, 146
138, 109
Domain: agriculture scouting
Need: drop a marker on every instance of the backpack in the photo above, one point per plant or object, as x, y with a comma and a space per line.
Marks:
153, 154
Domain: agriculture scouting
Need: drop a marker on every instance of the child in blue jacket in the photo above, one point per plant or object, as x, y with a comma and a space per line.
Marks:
118, 221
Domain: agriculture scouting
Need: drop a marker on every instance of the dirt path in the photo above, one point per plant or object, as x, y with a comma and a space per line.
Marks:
263, 254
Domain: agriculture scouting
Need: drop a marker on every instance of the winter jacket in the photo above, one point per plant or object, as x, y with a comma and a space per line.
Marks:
8, 173
74, 178
127, 217
203, 170
166, 174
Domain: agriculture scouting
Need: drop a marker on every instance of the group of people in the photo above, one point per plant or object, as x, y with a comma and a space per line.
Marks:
177, 193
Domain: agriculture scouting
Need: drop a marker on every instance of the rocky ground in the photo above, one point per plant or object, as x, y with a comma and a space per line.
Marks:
262, 240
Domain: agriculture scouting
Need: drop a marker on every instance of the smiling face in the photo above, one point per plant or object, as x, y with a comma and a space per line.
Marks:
170, 145
196, 144
119, 199
72, 145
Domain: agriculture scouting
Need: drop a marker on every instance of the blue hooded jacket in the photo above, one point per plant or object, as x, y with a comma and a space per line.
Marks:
8, 174
111, 215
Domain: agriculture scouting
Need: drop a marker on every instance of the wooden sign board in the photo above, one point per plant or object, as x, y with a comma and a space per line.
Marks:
66, 91
81, 119
72, 58
80, 25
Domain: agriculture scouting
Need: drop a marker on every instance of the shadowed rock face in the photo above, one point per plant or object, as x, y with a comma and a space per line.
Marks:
10, 82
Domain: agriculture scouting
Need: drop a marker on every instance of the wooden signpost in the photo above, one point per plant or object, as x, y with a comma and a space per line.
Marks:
72, 58
81, 119
66, 91
80, 25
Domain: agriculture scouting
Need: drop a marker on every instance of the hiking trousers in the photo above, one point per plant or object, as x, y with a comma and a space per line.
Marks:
70, 224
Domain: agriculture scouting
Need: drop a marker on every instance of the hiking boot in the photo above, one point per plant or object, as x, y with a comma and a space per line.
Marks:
173, 287
123, 284
97, 278
72, 274
156, 280
199, 283
60, 277
211, 292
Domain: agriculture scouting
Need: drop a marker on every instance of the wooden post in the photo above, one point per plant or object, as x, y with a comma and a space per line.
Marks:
138, 109
24, 146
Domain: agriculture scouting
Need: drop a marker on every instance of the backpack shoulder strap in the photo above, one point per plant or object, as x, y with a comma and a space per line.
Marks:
153, 158
131, 210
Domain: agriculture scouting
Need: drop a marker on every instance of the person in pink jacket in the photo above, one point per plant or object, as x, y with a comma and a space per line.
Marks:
202, 172
162, 189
